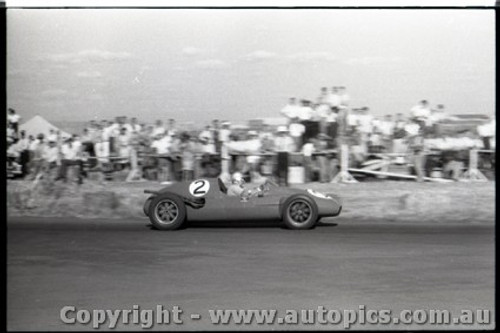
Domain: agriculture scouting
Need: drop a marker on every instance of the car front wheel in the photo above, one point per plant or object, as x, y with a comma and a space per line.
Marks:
167, 212
300, 212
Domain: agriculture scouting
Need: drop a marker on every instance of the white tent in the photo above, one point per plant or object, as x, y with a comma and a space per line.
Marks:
38, 124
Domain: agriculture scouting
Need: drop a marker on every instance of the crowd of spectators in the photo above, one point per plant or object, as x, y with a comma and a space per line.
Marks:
314, 131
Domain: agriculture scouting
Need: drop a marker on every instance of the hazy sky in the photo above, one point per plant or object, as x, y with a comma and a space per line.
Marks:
196, 65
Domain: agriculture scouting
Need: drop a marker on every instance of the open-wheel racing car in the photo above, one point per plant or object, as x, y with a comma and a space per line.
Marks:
207, 200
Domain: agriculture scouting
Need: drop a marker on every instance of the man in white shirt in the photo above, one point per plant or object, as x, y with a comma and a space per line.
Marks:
52, 135
487, 132
13, 119
307, 151
305, 112
323, 96
224, 132
437, 115
135, 126
70, 157
290, 110
172, 127
284, 144
334, 98
158, 129
51, 156
386, 129
24, 157
344, 97
101, 149
207, 139
421, 113
297, 131
365, 124
162, 146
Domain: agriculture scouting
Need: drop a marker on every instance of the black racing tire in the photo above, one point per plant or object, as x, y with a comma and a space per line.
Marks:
167, 212
300, 212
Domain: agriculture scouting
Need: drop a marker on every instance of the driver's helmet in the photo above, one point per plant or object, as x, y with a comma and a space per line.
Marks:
238, 178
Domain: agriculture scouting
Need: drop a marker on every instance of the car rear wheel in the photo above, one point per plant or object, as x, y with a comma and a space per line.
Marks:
300, 213
167, 212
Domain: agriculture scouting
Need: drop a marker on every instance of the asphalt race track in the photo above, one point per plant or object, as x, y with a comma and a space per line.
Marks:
111, 264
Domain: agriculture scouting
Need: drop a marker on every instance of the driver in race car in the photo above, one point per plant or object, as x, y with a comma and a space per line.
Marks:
237, 188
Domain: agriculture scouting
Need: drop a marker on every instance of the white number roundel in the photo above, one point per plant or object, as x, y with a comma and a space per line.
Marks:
199, 187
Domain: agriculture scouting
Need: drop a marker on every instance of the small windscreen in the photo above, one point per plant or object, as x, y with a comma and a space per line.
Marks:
222, 187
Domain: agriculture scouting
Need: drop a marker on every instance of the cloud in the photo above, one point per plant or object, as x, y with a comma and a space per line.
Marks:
89, 74
54, 93
367, 61
260, 55
88, 56
211, 64
311, 56
192, 51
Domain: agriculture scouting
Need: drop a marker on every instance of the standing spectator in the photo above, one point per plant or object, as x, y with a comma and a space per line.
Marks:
437, 115
11, 134
386, 129
420, 113
398, 141
487, 133
344, 97
37, 159
297, 130
305, 115
307, 151
51, 157
215, 134
321, 145
24, 153
416, 145
304, 112
254, 146
172, 127
188, 152
290, 110
136, 127
323, 96
134, 145
52, 135
334, 99
365, 123
125, 123
158, 129
150, 165
33, 143
323, 110
123, 143
207, 139
13, 120
266, 137
161, 148
224, 132
175, 156
101, 149
283, 145
70, 157
88, 145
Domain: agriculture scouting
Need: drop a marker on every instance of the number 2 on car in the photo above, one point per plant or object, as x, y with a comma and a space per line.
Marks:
199, 187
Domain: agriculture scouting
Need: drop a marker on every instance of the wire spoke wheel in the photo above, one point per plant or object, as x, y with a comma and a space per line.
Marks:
166, 211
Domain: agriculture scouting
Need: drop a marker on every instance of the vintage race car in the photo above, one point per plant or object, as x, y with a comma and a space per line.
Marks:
207, 200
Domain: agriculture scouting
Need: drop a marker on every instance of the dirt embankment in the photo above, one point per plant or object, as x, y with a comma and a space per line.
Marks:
385, 201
